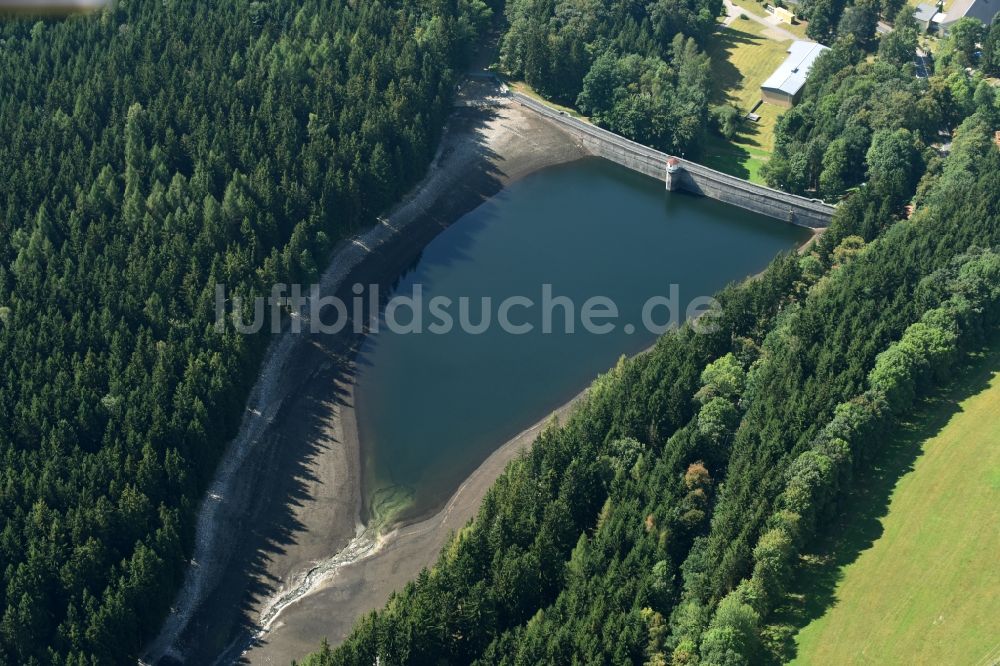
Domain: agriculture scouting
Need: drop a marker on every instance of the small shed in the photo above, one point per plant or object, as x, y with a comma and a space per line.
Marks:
784, 15
785, 85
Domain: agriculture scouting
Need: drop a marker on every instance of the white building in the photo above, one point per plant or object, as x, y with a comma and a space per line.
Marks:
784, 86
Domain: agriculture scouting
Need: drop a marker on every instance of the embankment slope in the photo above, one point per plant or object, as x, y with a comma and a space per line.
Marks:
287, 494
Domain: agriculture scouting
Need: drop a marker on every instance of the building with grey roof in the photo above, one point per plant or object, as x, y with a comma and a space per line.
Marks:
924, 14
783, 87
984, 10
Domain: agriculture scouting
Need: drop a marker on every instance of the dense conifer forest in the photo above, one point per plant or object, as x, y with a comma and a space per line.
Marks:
149, 152
658, 524
635, 68
155, 149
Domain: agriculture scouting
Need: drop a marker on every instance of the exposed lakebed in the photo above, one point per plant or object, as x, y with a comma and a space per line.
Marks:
431, 407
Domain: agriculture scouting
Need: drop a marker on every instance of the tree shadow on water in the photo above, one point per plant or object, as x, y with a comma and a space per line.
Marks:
262, 522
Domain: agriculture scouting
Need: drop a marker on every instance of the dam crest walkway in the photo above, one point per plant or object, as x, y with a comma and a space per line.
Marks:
685, 174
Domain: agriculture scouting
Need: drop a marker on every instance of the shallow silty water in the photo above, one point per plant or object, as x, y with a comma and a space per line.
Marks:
431, 407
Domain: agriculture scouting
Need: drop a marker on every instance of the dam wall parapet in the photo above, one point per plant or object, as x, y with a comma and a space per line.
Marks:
686, 175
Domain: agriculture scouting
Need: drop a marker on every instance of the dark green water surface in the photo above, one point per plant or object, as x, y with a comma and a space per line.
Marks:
432, 407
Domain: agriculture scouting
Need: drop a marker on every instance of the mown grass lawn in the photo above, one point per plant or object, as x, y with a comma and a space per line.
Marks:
733, 158
742, 59
946, 3
911, 574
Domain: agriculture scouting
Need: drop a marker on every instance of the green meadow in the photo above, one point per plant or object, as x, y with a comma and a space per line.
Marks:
913, 577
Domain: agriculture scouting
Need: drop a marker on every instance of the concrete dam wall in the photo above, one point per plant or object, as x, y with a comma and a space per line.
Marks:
686, 175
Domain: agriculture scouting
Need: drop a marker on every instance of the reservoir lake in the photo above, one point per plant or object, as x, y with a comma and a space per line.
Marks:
431, 407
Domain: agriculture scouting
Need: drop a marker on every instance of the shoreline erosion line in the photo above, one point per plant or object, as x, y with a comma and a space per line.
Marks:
263, 405
509, 141
496, 137
372, 540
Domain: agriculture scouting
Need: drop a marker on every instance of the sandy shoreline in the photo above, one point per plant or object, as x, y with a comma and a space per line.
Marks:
345, 589
364, 584
283, 558
286, 498
507, 144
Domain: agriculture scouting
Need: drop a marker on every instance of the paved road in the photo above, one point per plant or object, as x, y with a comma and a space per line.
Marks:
923, 65
773, 31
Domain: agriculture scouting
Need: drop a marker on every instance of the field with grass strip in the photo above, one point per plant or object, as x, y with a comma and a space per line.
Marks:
914, 577
742, 59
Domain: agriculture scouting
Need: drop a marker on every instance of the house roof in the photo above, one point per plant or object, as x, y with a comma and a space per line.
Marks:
791, 74
925, 12
984, 10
